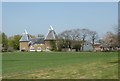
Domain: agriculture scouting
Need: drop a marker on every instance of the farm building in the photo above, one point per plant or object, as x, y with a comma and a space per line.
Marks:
87, 46
38, 44
46, 43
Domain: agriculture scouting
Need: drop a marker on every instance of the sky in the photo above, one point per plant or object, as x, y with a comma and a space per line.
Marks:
0, 16
36, 17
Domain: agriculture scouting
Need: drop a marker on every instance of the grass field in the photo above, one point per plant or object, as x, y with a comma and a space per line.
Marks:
60, 65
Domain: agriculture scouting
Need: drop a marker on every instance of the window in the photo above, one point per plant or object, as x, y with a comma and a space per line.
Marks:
32, 48
39, 49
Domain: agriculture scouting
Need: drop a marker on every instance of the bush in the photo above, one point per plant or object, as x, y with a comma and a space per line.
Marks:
10, 49
53, 45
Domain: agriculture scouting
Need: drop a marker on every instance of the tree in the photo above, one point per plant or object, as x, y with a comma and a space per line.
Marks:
10, 41
40, 35
80, 36
65, 38
0, 41
10, 44
31, 36
117, 34
4, 42
76, 45
16, 41
84, 33
53, 45
0, 38
13, 42
68, 37
93, 37
111, 39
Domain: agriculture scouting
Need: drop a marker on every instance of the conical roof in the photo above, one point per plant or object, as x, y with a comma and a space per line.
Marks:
25, 37
51, 35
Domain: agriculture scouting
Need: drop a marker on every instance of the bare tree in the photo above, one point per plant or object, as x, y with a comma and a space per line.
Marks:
77, 37
64, 39
69, 36
84, 33
73, 34
93, 37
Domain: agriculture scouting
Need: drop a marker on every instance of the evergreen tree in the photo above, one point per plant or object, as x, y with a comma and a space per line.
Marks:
4, 42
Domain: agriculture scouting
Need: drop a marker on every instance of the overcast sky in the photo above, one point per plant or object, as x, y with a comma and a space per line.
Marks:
36, 17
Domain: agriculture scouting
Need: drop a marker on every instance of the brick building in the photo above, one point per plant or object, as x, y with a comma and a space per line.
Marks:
38, 44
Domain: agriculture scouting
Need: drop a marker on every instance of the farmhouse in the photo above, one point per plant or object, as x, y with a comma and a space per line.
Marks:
38, 44
51, 42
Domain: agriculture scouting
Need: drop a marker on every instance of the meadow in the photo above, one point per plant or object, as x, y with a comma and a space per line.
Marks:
60, 65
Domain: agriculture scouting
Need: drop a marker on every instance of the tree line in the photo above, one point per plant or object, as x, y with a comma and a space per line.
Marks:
10, 43
75, 38
72, 39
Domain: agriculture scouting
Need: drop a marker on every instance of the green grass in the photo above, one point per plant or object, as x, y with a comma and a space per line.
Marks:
60, 65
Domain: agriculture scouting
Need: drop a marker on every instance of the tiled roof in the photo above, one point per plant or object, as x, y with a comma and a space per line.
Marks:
24, 38
51, 34
36, 41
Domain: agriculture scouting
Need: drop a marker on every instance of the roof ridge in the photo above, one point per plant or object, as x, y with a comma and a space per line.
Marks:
51, 35
25, 37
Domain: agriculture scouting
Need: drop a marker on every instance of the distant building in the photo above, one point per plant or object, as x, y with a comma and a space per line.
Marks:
88, 46
38, 44
97, 47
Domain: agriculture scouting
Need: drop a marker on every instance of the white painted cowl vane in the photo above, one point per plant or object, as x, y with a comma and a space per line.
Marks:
51, 28
26, 31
